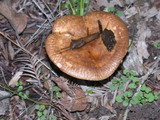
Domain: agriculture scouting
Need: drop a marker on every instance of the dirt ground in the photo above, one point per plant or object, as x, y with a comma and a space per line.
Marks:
23, 58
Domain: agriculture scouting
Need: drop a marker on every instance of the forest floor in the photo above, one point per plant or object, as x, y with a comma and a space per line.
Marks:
30, 86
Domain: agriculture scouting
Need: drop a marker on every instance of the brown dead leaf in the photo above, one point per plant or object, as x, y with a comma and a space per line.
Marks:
112, 3
133, 61
11, 50
130, 12
15, 78
4, 104
76, 103
142, 48
3, 49
150, 13
64, 85
17, 20
73, 97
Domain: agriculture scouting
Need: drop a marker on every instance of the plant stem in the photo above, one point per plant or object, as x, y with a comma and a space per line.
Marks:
81, 6
72, 7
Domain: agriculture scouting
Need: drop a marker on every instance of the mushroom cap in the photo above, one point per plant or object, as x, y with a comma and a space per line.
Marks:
92, 61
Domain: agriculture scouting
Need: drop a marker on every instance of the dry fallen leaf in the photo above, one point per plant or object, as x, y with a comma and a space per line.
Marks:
63, 85
4, 104
15, 78
158, 15
150, 13
11, 51
73, 97
112, 3
143, 33
17, 20
132, 61
76, 103
130, 12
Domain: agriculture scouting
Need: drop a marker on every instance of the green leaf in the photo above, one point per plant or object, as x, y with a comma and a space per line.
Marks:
149, 97
43, 117
119, 98
45, 112
148, 90
20, 83
143, 101
55, 88
27, 92
90, 92
121, 86
53, 117
58, 95
39, 114
41, 107
132, 85
114, 81
155, 95
20, 88
134, 79
119, 13
129, 73
20, 94
37, 107
124, 78
111, 9
129, 93
157, 45
112, 87
25, 96
86, 1
125, 103
134, 101
139, 96
17, 84
143, 87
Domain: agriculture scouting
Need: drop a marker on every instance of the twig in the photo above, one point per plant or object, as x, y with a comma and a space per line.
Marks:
3, 75
48, 8
40, 8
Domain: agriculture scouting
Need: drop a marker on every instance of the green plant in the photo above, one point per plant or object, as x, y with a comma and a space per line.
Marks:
90, 91
19, 85
77, 7
118, 84
145, 95
42, 113
20, 88
157, 45
57, 93
116, 12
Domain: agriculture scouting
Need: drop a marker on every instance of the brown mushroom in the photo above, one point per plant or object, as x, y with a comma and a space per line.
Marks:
91, 61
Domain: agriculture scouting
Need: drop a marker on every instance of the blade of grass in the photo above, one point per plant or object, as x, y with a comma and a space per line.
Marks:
81, 6
71, 3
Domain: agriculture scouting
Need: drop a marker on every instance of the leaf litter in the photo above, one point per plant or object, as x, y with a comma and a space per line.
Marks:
30, 24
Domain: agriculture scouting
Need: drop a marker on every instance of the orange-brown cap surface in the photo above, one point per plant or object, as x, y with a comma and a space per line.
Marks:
91, 61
